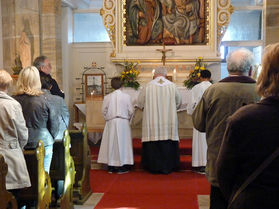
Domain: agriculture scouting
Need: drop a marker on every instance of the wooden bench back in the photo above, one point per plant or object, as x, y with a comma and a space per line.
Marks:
66, 200
82, 158
7, 200
40, 190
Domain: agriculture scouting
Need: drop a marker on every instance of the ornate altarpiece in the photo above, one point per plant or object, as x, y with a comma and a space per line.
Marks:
217, 17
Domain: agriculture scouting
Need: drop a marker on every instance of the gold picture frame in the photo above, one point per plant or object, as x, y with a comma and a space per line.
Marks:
94, 85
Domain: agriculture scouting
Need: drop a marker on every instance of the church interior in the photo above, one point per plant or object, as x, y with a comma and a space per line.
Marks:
88, 42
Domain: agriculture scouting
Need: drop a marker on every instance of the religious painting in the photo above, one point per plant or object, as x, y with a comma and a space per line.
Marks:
94, 85
169, 22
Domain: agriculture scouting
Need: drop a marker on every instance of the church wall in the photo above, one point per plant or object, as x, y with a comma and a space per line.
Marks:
272, 21
51, 36
67, 39
18, 16
1, 41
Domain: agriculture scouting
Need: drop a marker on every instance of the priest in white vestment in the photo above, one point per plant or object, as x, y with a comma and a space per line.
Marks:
116, 147
160, 100
199, 144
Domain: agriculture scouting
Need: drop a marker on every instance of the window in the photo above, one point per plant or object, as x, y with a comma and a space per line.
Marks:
89, 27
240, 33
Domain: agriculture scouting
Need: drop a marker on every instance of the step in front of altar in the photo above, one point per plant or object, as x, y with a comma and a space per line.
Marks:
185, 149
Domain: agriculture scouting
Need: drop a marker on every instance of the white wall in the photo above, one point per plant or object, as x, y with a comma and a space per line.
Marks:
83, 54
67, 39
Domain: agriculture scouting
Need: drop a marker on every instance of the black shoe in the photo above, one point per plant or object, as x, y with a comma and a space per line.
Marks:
200, 169
112, 169
122, 170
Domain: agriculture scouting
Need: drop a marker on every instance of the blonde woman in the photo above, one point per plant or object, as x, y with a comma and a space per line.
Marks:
41, 119
13, 137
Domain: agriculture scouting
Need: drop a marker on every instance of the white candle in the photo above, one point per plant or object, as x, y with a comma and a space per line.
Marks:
153, 71
174, 74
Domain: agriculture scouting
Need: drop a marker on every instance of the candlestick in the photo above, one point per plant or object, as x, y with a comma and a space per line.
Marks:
153, 72
174, 74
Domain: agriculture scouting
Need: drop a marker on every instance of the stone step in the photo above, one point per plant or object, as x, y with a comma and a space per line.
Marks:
185, 148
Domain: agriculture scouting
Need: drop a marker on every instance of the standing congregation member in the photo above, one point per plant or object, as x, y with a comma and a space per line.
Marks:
41, 119
116, 147
160, 100
13, 137
219, 102
250, 138
199, 146
43, 65
59, 106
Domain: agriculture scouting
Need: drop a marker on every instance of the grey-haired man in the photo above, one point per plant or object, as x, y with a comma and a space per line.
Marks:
218, 102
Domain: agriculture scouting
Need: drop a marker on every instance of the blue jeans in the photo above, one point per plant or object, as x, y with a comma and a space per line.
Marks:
48, 157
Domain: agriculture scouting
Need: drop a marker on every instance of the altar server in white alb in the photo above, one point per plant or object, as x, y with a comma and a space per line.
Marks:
199, 145
160, 100
116, 147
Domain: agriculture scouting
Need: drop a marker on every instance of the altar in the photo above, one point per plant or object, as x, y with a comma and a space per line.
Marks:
92, 111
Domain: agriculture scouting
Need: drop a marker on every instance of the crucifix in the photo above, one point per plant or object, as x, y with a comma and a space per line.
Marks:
164, 51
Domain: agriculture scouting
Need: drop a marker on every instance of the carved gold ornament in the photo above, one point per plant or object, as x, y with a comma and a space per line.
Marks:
108, 14
224, 9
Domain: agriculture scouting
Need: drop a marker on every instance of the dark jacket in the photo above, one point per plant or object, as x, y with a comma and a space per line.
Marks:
219, 102
41, 119
55, 90
61, 111
252, 134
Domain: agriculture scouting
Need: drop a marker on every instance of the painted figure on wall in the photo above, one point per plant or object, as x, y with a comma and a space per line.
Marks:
172, 22
25, 50
145, 21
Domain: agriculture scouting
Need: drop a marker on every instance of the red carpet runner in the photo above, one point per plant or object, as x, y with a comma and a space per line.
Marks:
141, 190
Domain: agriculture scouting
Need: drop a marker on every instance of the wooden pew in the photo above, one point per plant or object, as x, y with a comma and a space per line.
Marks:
63, 170
40, 190
7, 200
82, 158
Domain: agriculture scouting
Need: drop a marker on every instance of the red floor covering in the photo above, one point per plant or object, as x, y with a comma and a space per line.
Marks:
141, 190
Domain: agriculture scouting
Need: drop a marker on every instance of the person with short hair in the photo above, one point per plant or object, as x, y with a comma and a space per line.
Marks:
199, 146
43, 65
58, 105
41, 119
13, 137
251, 137
116, 146
218, 102
160, 100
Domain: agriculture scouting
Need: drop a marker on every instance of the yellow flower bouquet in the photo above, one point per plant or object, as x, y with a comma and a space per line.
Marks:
194, 76
130, 74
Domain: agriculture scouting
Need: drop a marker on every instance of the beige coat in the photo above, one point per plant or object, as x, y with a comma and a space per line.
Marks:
13, 137
219, 102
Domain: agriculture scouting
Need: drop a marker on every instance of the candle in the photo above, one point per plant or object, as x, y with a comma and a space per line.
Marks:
153, 71
174, 74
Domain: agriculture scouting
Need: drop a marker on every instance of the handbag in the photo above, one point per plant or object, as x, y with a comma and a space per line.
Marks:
253, 176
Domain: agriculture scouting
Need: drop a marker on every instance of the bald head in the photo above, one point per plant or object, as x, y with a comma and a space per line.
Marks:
160, 71
240, 62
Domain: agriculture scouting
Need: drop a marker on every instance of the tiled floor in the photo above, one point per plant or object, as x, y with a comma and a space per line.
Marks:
203, 201
91, 202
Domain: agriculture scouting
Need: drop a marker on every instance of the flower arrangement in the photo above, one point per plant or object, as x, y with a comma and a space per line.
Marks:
130, 73
194, 76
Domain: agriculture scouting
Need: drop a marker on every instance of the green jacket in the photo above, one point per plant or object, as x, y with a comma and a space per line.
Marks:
219, 102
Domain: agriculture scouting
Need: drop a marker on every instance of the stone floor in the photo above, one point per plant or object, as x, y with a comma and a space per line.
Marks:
203, 201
